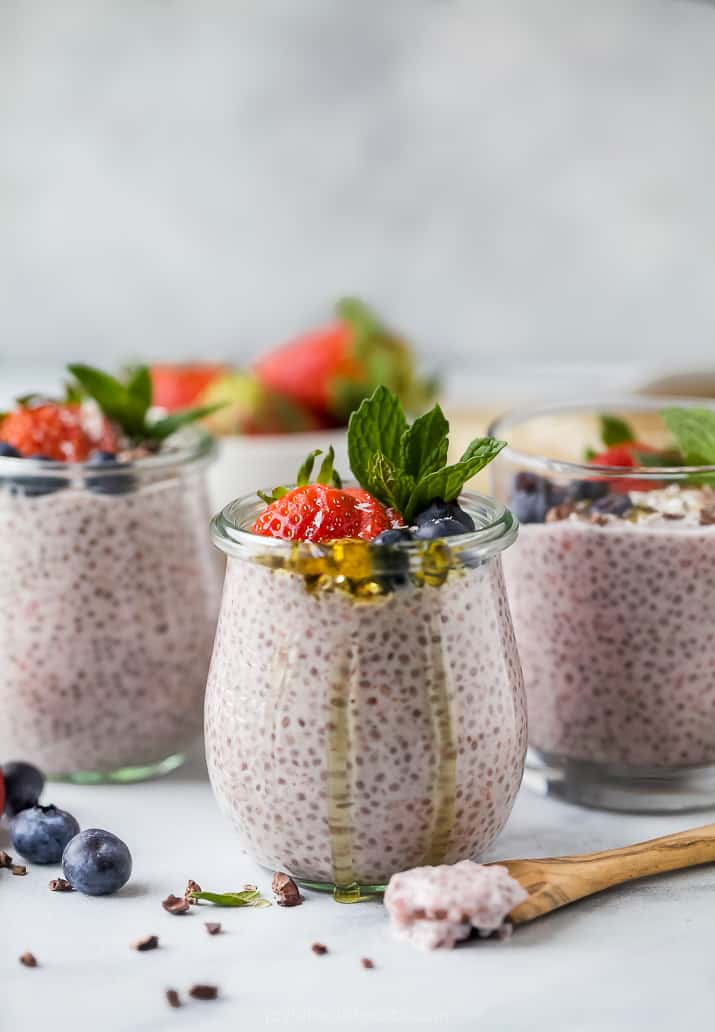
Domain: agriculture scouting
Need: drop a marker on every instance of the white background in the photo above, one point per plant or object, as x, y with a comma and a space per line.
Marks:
511, 181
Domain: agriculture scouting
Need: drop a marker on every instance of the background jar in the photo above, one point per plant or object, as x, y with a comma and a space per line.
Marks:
614, 618
365, 708
109, 591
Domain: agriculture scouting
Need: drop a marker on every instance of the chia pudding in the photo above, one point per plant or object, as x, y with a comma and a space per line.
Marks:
110, 587
619, 653
437, 907
107, 613
357, 723
612, 590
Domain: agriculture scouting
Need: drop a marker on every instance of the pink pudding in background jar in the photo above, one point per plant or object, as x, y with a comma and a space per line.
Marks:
612, 590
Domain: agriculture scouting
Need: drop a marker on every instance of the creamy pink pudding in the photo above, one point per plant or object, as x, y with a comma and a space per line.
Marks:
352, 729
437, 907
108, 604
615, 632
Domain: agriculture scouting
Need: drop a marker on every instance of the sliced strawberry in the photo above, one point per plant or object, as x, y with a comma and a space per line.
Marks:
626, 456
55, 431
333, 368
249, 407
319, 512
178, 386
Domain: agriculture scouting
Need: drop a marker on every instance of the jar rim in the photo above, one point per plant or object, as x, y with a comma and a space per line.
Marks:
193, 445
496, 529
501, 426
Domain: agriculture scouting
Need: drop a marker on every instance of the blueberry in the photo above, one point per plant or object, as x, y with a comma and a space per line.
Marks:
438, 509
394, 536
612, 505
121, 483
41, 833
33, 487
533, 496
8, 452
446, 526
23, 786
587, 490
96, 862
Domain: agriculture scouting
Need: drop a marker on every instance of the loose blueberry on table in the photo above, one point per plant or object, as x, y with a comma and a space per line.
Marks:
23, 784
40, 833
96, 862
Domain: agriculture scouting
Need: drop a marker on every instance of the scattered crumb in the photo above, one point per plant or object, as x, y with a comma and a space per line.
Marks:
213, 927
318, 949
203, 992
172, 998
28, 959
60, 885
286, 890
149, 942
175, 904
5, 859
18, 869
367, 963
191, 887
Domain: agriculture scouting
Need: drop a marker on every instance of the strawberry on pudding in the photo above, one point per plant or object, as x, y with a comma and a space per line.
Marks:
109, 590
364, 709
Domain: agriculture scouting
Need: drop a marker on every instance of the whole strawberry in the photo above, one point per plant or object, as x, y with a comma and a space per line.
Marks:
331, 369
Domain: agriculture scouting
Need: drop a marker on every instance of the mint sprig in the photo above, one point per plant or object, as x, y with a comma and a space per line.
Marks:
615, 430
127, 403
404, 465
245, 898
694, 432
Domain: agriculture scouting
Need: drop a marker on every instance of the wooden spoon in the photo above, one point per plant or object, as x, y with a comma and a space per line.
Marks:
556, 881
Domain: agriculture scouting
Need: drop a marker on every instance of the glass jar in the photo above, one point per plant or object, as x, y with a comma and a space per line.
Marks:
612, 592
365, 709
108, 600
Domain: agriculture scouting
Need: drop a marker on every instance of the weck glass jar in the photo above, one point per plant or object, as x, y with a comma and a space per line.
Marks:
365, 709
109, 592
612, 591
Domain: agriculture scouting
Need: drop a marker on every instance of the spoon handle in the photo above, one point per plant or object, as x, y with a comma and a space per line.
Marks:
555, 881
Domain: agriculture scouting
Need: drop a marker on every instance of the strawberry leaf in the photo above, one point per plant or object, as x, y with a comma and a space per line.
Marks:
327, 474
306, 470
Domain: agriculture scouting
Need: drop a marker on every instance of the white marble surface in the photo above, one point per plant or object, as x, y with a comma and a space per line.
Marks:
510, 181
635, 959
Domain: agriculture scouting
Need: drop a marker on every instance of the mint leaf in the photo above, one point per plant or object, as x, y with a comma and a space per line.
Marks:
139, 387
376, 426
404, 466
112, 397
247, 898
615, 431
448, 482
163, 428
388, 483
424, 444
694, 431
